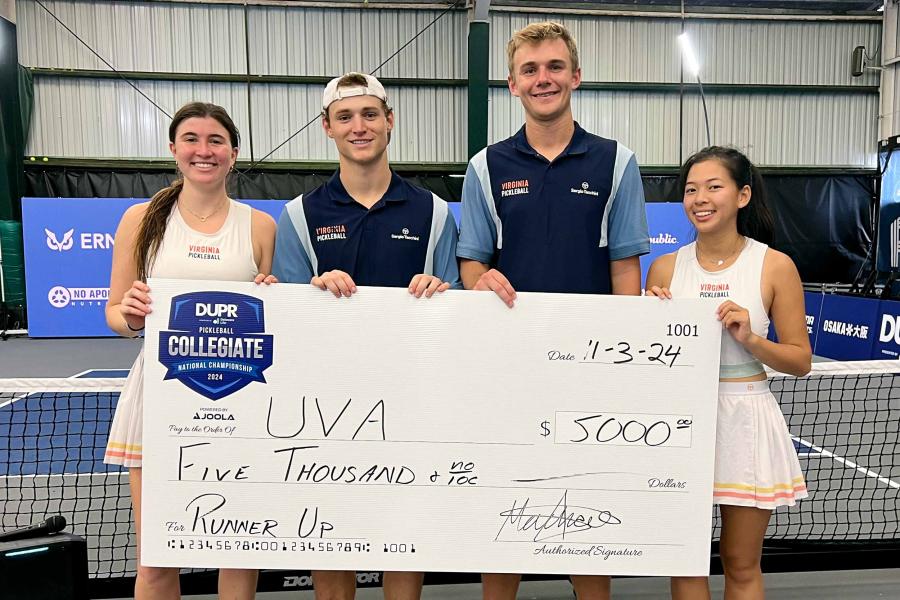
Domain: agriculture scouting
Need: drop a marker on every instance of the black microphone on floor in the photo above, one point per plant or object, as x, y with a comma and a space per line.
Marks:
53, 524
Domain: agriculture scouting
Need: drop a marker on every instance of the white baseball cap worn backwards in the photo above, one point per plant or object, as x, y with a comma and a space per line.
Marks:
332, 93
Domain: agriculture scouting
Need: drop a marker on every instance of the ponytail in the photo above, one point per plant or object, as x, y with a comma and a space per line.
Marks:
755, 220
153, 227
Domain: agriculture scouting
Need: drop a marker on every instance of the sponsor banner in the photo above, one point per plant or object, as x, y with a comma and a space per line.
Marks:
669, 231
887, 257
847, 327
455, 210
303, 580
68, 254
813, 302
887, 342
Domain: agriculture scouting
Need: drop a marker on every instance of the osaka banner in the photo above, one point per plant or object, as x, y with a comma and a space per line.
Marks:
68, 254
847, 327
888, 252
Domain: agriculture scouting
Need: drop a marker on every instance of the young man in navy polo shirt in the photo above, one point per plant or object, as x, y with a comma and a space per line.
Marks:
551, 209
365, 226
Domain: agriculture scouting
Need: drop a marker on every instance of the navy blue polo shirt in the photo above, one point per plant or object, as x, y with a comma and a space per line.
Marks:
407, 232
554, 226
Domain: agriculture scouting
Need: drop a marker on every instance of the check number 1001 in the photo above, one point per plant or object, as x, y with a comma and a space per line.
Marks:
399, 548
681, 330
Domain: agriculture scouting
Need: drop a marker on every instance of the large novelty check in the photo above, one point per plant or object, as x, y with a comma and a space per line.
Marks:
284, 428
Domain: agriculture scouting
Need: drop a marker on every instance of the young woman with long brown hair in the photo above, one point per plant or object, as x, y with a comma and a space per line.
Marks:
155, 239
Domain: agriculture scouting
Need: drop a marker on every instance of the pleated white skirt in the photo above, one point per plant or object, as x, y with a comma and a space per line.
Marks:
756, 461
126, 432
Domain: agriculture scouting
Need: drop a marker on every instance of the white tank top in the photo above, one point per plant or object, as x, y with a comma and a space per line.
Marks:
741, 283
225, 255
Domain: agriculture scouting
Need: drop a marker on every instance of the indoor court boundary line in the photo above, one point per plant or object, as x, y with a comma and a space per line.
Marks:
23, 397
81, 375
849, 463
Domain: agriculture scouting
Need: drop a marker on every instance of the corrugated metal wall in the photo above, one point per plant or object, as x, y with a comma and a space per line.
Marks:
106, 119
421, 132
774, 129
292, 41
133, 36
102, 118
738, 51
786, 129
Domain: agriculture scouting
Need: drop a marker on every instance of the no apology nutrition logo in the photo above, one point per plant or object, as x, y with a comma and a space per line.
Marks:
217, 345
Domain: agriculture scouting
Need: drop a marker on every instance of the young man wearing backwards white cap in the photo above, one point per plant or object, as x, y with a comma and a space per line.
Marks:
365, 226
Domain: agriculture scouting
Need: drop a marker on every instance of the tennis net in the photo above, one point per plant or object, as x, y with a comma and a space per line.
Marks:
844, 419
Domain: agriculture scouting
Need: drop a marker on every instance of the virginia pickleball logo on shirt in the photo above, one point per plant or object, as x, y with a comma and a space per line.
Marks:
331, 232
513, 188
715, 290
216, 345
200, 252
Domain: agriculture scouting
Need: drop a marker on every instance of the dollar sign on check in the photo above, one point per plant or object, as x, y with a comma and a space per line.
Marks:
545, 428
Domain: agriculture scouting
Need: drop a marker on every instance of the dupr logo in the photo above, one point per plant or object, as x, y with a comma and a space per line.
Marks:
216, 342
890, 329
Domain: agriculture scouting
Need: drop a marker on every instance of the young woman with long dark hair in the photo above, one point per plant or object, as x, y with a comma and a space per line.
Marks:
756, 465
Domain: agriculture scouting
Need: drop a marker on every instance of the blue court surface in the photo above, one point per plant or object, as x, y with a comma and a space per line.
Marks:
52, 433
